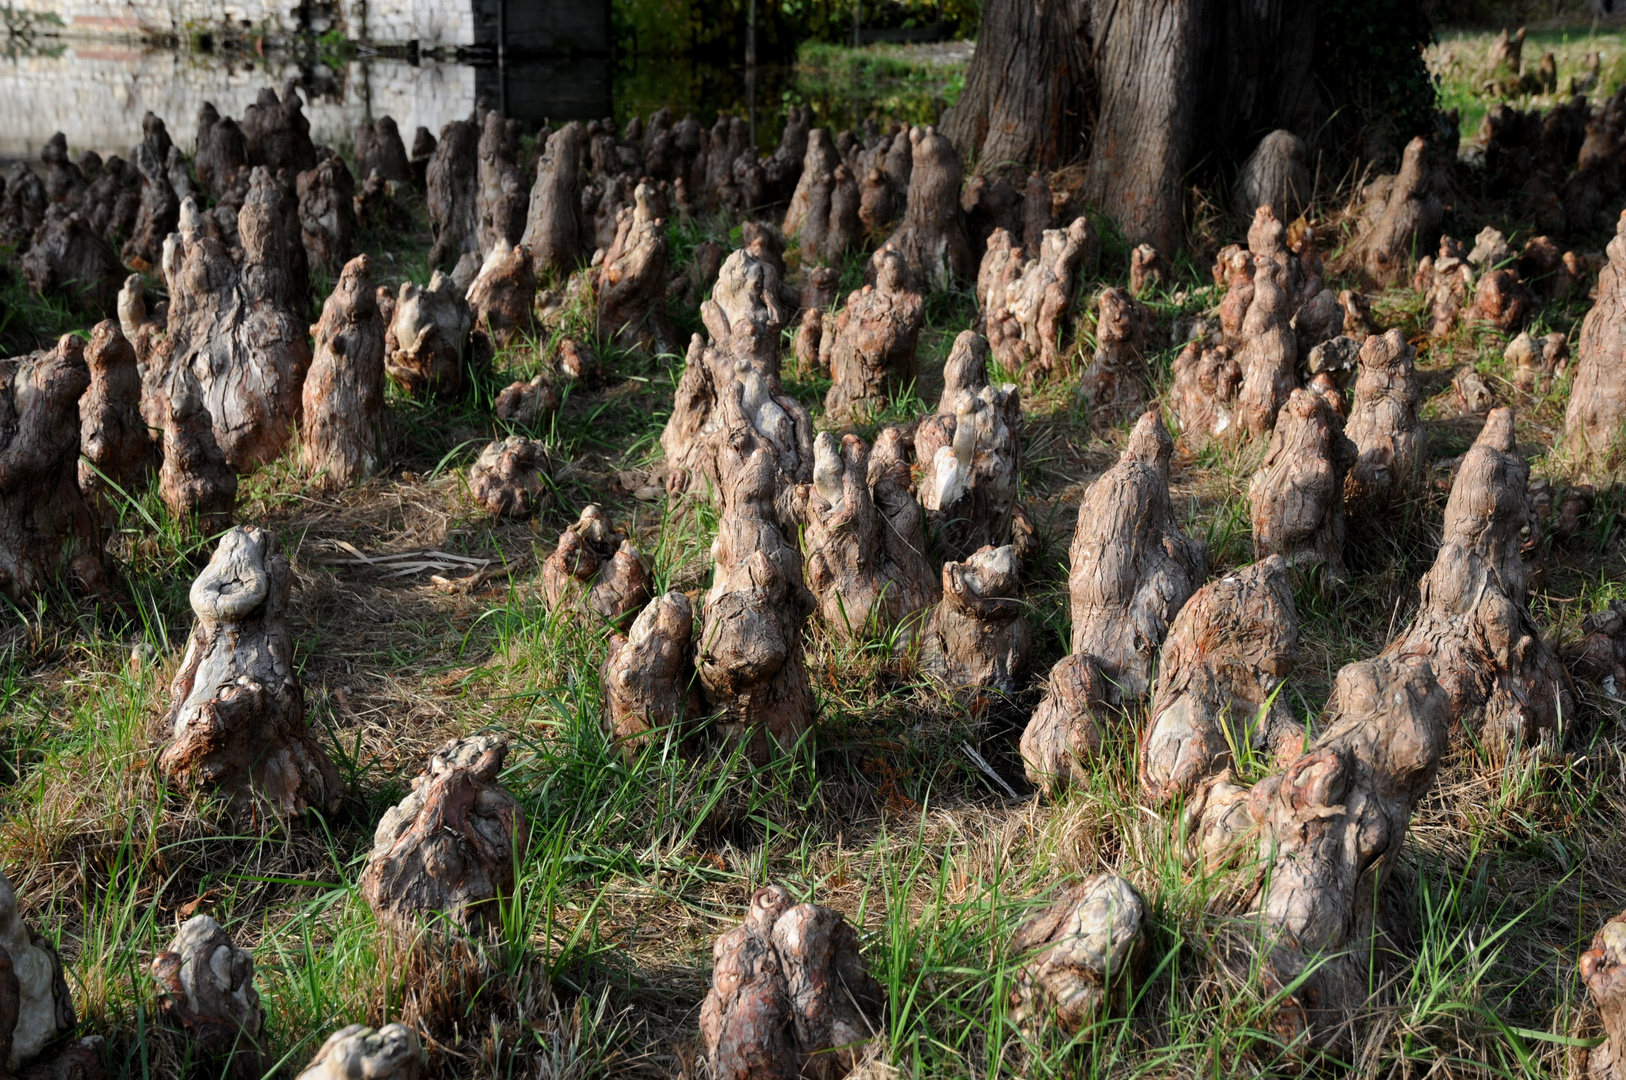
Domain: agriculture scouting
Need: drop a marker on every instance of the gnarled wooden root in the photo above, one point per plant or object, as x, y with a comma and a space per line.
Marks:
1078, 954
1390, 440
750, 647
427, 336
35, 1006
648, 676
976, 636
1207, 380
1117, 384
631, 285
595, 567
450, 847
510, 478
1228, 653
1132, 567
206, 989
342, 429
1597, 407
195, 480
1066, 730
1028, 297
1297, 496
872, 352
1472, 625
931, 236
789, 997
500, 300
237, 714
115, 446
358, 1052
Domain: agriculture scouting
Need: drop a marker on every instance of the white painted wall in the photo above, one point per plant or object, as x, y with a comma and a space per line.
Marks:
431, 23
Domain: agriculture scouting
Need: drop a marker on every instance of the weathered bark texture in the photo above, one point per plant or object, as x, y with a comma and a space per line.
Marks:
1472, 394
359, 1052
872, 352
1026, 298
1600, 655
35, 1006
450, 847
327, 214
1597, 407
553, 225
632, 280
1472, 625
222, 149
238, 329
379, 148
1117, 385
1402, 214
195, 480
501, 300
1203, 394
206, 990
1536, 361
510, 478
1228, 653
931, 237
649, 678
970, 454
1446, 282
529, 404
69, 259
865, 537
1077, 954
1147, 270
236, 721
1317, 839
1132, 568
790, 998
729, 400
750, 647
1067, 728
342, 430
1390, 440
1603, 971
500, 198
47, 529
277, 132
1297, 496
819, 163
425, 340
115, 446
1269, 352
1278, 175
452, 177
1501, 300
596, 569
158, 212
976, 636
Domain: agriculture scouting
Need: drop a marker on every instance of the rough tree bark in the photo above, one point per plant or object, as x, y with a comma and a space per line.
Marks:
238, 330
450, 847
1117, 384
389, 1053
1269, 352
649, 678
35, 1005
970, 454
1472, 626
195, 480
342, 429
510, 477
500, 196
114, 444
327, 214
865, 537
1390, 440
1446, 281
729, 399
379, 148
1597, 406
872, 350
1400, 216
1297, 497
1028, 297
1536, 361
1229, 651
452, 176
1203, 394
1132, 567
501, 301
750, 646
71, 260
931, 237
236, 721
1603, 971
206, 990
158, 212
553, 225
976, 636
47, 529
1315, 841
632, 280
1077, 955
425, 340
596, 569
1065, 731
277, 133
1278, 175
819, 163
790, 998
